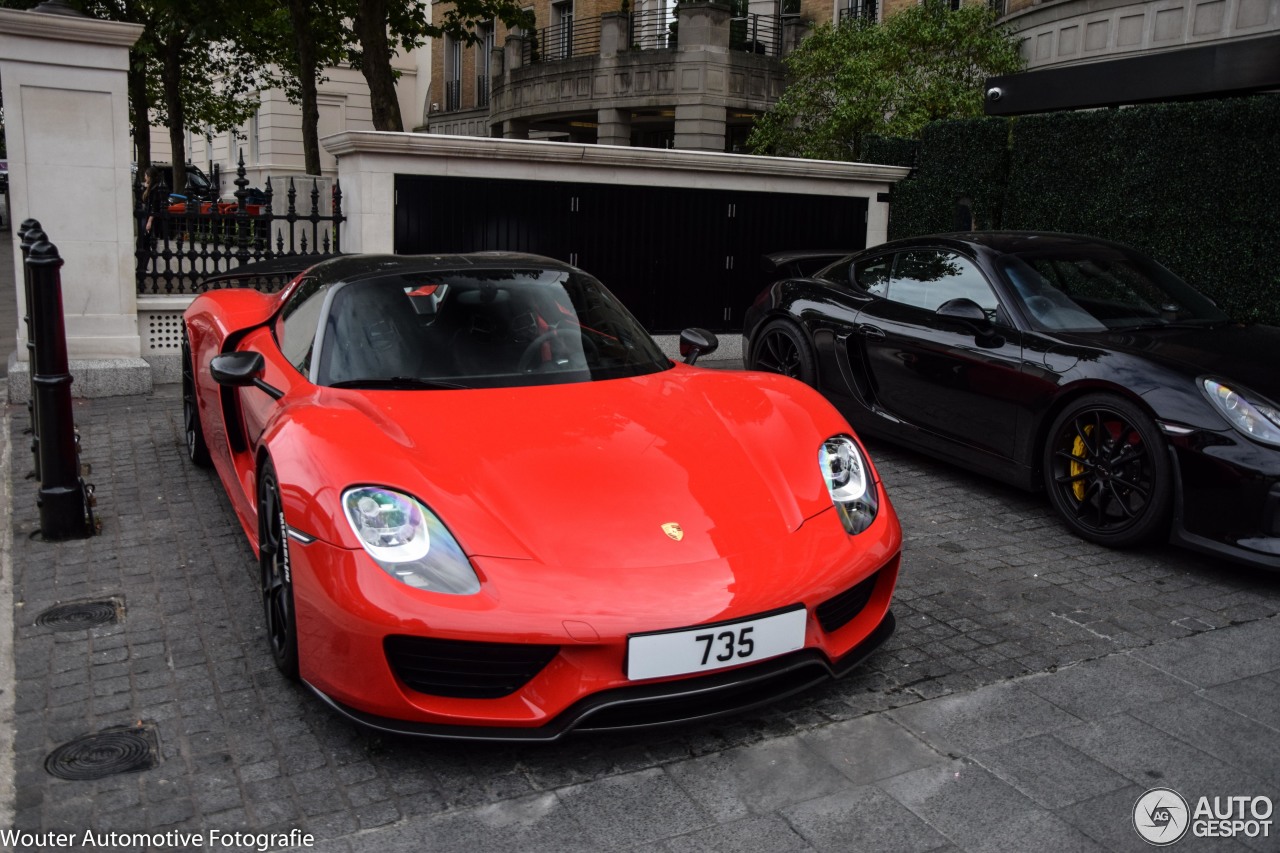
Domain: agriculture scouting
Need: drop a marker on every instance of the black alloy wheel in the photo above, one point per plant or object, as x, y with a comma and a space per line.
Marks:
1107, 472
780, 347
277, 580
197, 449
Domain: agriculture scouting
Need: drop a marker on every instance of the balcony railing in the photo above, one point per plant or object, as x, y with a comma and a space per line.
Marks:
562, 41
651, 30
482, 90
760, 34
452, 95
859, 10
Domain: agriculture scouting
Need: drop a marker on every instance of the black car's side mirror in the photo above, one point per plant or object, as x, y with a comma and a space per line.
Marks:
241, 369
695, 343
963, 309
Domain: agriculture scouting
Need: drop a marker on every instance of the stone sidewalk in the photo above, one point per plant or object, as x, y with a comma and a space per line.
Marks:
1037, 685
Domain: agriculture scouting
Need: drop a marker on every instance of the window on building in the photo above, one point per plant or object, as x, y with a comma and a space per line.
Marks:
864, 10
452, 74
561, 30
484, 54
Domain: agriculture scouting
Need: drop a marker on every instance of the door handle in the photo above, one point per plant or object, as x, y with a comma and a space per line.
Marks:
872, 332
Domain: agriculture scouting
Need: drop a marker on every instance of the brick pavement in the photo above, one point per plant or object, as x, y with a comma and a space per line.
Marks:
1035, 686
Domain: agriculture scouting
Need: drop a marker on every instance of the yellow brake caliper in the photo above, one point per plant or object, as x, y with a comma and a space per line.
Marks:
1078, 451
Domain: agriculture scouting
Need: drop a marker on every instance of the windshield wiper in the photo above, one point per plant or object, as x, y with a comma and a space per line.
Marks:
1167, 324
397, 382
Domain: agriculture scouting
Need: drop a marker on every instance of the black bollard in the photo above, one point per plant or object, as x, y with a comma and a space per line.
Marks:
63, 500
30, 233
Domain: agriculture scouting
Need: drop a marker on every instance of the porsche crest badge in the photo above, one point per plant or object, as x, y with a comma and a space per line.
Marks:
673, 530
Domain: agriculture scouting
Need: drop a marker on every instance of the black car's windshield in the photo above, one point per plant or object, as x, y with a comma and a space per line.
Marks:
480, 328
1099, 288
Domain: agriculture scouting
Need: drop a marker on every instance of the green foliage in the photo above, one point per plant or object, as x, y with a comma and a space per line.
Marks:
1192, 184
960, 159
889, 150
924, 63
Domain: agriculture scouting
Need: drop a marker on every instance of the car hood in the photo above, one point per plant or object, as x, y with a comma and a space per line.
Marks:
1237, 352
586, 475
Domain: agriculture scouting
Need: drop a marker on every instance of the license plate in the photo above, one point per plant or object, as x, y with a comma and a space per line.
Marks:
714, 646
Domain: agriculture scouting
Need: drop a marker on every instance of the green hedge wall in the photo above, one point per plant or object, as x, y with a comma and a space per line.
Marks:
960, 159
1196, 185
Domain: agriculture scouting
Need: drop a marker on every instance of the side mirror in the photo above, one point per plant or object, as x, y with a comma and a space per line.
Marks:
240, 370
963, 309
695, 343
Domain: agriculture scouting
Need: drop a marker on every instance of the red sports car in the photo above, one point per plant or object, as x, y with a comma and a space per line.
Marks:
486, 505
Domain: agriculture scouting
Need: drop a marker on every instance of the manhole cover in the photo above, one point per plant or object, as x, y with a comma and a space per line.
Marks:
125, 749
82, 615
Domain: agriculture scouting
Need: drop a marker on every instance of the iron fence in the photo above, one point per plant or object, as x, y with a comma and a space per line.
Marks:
562, 41
859, 10
760, 34
651, 30
181, 244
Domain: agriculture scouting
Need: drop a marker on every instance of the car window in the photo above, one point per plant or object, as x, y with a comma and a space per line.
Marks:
837, 273
299, 321
478, 328
872, 275
926, 278
1107, 287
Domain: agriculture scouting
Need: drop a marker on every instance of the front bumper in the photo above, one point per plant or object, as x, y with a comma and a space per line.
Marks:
347, 609
1228, 501
659, 704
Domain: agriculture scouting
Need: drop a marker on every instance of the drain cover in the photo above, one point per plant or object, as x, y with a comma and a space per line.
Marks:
124, 749
82, 615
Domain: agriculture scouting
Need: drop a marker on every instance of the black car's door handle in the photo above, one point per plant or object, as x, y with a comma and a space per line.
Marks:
873, 332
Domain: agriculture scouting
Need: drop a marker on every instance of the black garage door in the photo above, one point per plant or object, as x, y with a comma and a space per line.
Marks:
676, 257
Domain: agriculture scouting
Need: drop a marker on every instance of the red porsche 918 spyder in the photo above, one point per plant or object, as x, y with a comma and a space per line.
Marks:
486, 505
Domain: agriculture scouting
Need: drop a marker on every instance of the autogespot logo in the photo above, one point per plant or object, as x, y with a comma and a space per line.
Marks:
1160, 816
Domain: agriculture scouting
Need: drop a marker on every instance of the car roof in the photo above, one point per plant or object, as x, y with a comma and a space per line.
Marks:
359, 267
1012, 242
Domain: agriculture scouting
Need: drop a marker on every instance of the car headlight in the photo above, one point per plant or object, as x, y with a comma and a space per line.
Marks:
1245, 411
408, 542
848, 479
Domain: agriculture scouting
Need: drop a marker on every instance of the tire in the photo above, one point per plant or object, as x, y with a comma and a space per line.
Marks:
197, 449
1107, 472
780, 347
276, 579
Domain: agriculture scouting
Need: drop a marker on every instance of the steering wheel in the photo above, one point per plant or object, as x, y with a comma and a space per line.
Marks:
532, 352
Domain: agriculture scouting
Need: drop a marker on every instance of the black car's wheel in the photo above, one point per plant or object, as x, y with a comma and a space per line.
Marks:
197, 450
1107, 473
780, 347
277, 582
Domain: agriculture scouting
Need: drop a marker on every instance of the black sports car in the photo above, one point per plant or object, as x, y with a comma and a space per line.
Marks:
1049, 361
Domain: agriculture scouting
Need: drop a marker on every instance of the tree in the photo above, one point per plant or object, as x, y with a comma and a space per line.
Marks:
187, 69
924, 63
384, 26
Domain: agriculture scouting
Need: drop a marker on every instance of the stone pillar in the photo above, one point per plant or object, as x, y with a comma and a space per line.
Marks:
513, 52
614, 27
515, 129
700, 127
613, 127
67, 127
703, 26
794, 30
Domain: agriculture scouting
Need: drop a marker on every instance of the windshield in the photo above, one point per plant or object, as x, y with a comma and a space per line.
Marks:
480, 329
1098, 288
